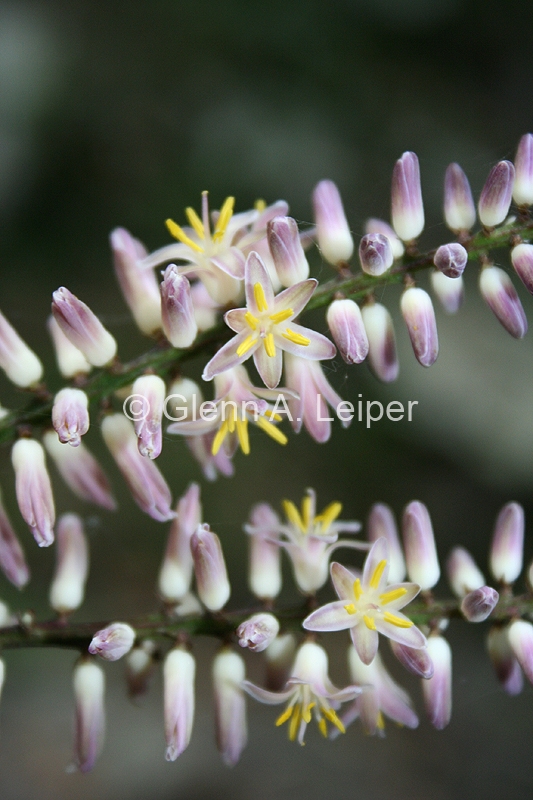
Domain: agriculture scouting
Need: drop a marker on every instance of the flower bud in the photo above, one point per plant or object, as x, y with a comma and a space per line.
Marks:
70, 360
449, 291
83, 328
479, 604
381, 524
496, 194
500, 295
463, 573
264, 577
506, 551
334, 237
12, 561
375, 254
503, 660
89, 686
382, 356
451, 259
407, 210
205, 308
258, 632
437, 690
34, 491
150, 390
70, 415
140, 665
176, 571
287, 251
521, 642
416, 661
419, 316
139, 286
419, 545
459, 208
523, 181
20, 364
230, 706
346, 325
522, 259
279, 658
72, 563
210, 568
113, 642
374, 225
179, 323
178, 680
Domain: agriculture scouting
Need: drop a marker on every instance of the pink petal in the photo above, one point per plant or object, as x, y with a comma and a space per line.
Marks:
331, 617
256, 272
343, 581
227, 358
379, 552
296, 297
410, 637
234, 319
365, 642
319, 348
269, 367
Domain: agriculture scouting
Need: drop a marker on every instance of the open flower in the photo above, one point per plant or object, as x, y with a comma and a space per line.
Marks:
265, 327
368, 606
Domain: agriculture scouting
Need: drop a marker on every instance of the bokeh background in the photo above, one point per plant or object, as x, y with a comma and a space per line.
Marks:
121, 113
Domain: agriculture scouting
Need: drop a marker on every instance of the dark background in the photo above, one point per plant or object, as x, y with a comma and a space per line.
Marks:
121, 113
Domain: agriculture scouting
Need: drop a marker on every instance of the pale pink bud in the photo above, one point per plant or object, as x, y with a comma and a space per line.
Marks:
522, 259
451, 259
375, 254
140, 664
523, 182
279, 658
521, 641
139, 286
287, 251
264, 577
418, 661
334, 237
113, 642
12, 561
374, 225
437, 690
145, 407
34, 491
20, 364
381, 524
147, 485
83, 328
500, 295
449, 291
506, 551
210, 568
72, 564
459, 208
230, 705
479, 604
382, 356
407, 210
70, 360
419, 316
89, 687
176, 570
178, 679
503, 660
419, 545
81, 471
347, 328
258, 632
179, 323
70, 415
463, 573
496, 194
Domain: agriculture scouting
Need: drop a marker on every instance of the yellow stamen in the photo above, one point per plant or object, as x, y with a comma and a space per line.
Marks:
357, 589
395, 594
306, 713
245, 346
284, 717
332, 716
272, 431
350, 608
369, 622
295, 721
219, 438
398, 621
380, 722
226, 213
281, 316
242, 433
195, 222
179, 234
260, 205
292, 513
329, 515
251, 320
296, 338
376, 575
306, 511
322, 727
270, 347
260, 298
272, 415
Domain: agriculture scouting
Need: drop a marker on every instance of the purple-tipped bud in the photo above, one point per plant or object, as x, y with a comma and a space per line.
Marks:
72, 564
70, 415
450, 292
459, 208
139, 286
479, 604
451, 259
416, 661
264, 576
176, 570
287, 251
113, 642
258, 632
375, 254
89, 687
382, 356
179, 323
381, 524
419, 545
145, 407
83, 328
210, 568
70, 360
12, 561
34, 490
522, 259
230, 706
496, 194
178, 679
523, 181
500, 295
347, 328
507, 548
407, 209
334, 237
503, 660
374, 225
437, 690
521, 642
140, 664
463, 573
419, 316
20, 364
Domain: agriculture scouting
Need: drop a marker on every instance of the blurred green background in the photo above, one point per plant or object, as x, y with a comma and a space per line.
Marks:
121, 113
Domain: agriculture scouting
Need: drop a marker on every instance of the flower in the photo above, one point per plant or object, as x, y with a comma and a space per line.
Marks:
368, 606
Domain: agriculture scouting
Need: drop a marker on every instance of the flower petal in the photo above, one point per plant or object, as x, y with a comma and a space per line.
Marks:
343, 581
365, 641
378, 553
227, 357
411, 637
331, 617
256, 272
296, 297
411, 591
235, 320
269, 367
264, 696
319, 348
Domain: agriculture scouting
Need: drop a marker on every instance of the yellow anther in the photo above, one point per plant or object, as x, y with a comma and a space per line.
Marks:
292, 513
281, 316
179, 234
219, 438
322, 727
226, 213
376, 575
307, 504
272, 415
296, 338
380, 722
350, 608
251, 320
245, 346
329, 515
295, 721
284, 717
270, 347
394, 594
260, 298
260, 205
306, 713
369, 622
272, 431
242, 433
357, 590
332, 716
398, 621
195, 222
